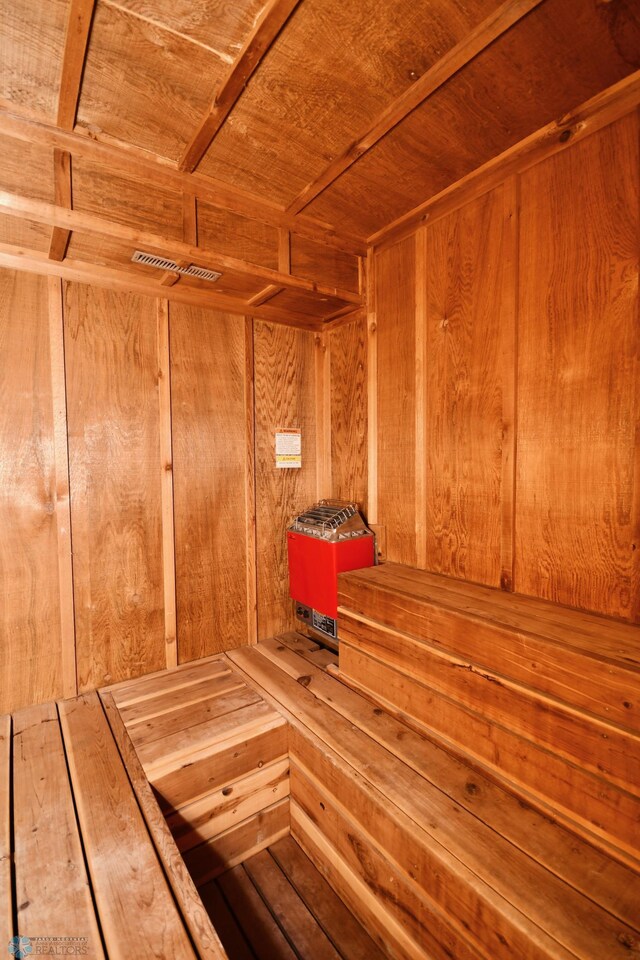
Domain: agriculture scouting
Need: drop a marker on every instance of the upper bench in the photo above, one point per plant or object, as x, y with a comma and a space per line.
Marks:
546, 697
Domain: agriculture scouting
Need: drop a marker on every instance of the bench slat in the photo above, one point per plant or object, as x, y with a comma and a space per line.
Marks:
52, 889
134, 901
204, 936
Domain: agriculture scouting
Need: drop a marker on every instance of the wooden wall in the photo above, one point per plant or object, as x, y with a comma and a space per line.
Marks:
134, 475
508, 373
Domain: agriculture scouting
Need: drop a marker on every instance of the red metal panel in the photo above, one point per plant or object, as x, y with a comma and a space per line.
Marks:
314, 566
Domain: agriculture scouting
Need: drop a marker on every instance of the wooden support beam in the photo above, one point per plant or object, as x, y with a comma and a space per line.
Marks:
130, 161
600, 111
497, 23
33, 261
270, 23
60, 236
271, 291
75, 50
42, 212
189, 235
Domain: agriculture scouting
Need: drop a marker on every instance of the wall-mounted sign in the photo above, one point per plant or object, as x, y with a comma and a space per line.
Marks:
288, 448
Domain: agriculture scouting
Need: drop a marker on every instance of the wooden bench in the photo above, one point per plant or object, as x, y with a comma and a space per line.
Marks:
545, 698
436, 858
75, 804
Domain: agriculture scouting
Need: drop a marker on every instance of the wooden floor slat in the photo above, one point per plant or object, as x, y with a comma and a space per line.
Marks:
291, 914
335, 919
132, 894
261, 930
6, 893
52, 889
225, 923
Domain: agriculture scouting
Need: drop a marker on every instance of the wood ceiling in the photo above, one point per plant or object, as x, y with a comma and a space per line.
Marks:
271, 140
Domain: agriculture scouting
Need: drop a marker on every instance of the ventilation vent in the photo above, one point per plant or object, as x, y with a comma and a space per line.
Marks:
162, 263
201, 272
150, 260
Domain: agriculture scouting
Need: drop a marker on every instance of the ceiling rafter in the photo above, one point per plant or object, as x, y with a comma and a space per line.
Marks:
134, 163
75, 52
492, 27
271, 21
55, 216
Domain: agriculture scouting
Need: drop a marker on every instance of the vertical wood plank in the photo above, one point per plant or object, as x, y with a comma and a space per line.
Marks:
30, 638
190, 219
420, 398
579, 366
470, 350
166, 485
209, 417
250, 482
285, 397
372, 391
116, 500
395, 273
509, 364
62, 497
349, 411
6, 892
284, 250
323, 414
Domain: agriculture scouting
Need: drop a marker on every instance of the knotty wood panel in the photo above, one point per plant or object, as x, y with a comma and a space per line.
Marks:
577, 504
210, 476
30, 631
470, 329
285, 397
114, 451
348, 350
395, 319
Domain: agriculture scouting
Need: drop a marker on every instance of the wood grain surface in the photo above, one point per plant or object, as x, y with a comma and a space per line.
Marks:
469, 375
116, 511
285, 398
30, 628
348, 358
56, 899
210, 477
395, 319
577, 502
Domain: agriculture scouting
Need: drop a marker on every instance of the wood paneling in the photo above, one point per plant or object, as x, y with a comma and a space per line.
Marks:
30, 613
577, 499
114, 450
210, 449
470, 329
395, 319
285, 397
238, 236
348, 353
32, 41
327, 265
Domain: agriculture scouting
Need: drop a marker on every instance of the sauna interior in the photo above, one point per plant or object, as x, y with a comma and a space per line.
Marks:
260, 254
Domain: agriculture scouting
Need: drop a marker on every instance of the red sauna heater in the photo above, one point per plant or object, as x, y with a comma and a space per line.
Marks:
327, 539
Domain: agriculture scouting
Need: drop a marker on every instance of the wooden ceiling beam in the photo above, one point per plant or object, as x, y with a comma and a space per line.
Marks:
18, 258
55, 216
159, 172
606, 107
263, 295
75, 51
497, 23
60, 236
270, 23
